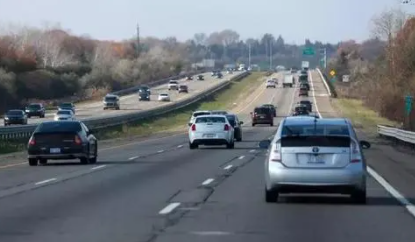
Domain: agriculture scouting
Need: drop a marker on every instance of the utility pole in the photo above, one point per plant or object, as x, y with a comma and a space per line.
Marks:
249, 55
270, 56
138, 47
323, 60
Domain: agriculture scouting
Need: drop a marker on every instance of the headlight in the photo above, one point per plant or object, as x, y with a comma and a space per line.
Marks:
6, 118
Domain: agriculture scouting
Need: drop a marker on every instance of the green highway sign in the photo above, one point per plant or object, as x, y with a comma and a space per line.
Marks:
408, 104
308, 51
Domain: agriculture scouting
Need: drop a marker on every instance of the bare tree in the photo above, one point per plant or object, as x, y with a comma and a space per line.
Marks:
200, 39
229, 37
388, 23
103, 56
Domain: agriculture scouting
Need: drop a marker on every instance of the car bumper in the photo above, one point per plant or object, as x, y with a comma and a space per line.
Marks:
34, 113
262, 121
219, 139
7, 122
338, 180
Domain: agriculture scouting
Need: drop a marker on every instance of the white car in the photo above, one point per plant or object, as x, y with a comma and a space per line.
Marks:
198, 113
271, 83
164, 97
173, 85
211, 130
64, 115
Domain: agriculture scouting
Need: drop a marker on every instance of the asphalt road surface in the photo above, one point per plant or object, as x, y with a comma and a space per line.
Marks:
130, 103
158, 190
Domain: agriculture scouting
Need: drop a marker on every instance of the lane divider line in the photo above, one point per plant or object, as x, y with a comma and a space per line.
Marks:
169, 208
251, 151
228, 167
98, 167
160, 151
45, 181
241, 157
133, 158
208, 181
382, 181
179, 146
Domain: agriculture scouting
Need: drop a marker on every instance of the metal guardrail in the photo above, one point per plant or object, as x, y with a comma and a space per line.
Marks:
398, 134
384, 130
25, 131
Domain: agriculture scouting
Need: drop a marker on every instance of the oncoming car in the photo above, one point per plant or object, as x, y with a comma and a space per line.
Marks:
164, 97
211, 130
309, 155
64, 115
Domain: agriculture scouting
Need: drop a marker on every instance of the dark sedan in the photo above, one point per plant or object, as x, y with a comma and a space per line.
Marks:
67, 106
35, 109
272, 107
62, 140
15, 117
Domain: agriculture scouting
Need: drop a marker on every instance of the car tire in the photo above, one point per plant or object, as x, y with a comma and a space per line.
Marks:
43, 161
95, 158
230, 146
32, 162
271, 124
359, 197
271, 196
193, 146
253, 124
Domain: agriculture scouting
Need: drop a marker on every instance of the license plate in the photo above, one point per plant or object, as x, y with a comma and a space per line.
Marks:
55, 150
209, 135
316, 160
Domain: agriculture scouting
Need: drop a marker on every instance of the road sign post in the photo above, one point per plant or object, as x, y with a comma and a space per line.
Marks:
308, 51
408, 105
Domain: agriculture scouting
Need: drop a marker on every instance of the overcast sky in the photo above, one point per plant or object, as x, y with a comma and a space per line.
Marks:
295, 20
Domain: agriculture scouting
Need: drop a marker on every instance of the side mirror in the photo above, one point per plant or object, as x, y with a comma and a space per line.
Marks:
264, 144
364, 144
241, 122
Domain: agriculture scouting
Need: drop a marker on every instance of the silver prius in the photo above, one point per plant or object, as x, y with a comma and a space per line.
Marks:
310, 155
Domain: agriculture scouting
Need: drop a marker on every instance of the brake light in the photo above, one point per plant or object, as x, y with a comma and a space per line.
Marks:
275, 155
78, 140
226, 127
355, 153
32, 141
194, 127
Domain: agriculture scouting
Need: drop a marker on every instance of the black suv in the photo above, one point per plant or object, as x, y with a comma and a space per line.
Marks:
262, 115
272, 107
143, 96
200, 77
35, 109
308, 104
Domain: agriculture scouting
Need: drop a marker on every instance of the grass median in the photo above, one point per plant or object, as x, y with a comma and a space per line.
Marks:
361, 116
170, 122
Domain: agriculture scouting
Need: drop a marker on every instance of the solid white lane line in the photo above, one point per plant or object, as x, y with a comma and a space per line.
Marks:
208, 181
45, 181
252, 151
314, 95
160, 151
228, 167
241, 157
98, 167
169, 208
179, 146
382, 181
133, 158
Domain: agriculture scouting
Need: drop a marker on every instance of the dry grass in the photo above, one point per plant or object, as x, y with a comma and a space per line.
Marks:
361, 116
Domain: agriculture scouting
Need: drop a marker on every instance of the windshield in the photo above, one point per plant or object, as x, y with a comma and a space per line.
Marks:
64, 112
164, 95
210, 120
14, 112
319, 129
34, 106
173, 82
110, 99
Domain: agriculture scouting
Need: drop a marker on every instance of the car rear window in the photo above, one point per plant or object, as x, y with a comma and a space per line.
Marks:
56, 127
305, 102
164, 95
210, 120
307, 130
231, 119
312, 141
262, 110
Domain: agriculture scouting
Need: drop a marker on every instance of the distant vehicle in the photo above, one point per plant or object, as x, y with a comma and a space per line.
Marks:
197, 114
307, 103
272, 107
211, 130
144, 89
36, 110
219, 75
15, 116
111, 102
262, 115
62, 140
303, 78
303, 92
183, 88
67, 106
305, 65
164, 97
303, 72
310, 155
200, 77
288, 81
219, 112
230, 71
275, 80
305, 85
64, 115
300, 109
236, 124
144, 96
189, 78
173, 85
271, 84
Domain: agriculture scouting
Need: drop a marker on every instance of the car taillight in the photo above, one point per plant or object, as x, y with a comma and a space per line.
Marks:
355, 156
194, 127
32, 141
226, 127
78, 140
275, 155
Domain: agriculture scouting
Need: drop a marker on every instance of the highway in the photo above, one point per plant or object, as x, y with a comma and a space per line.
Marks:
157, 190
130, 103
